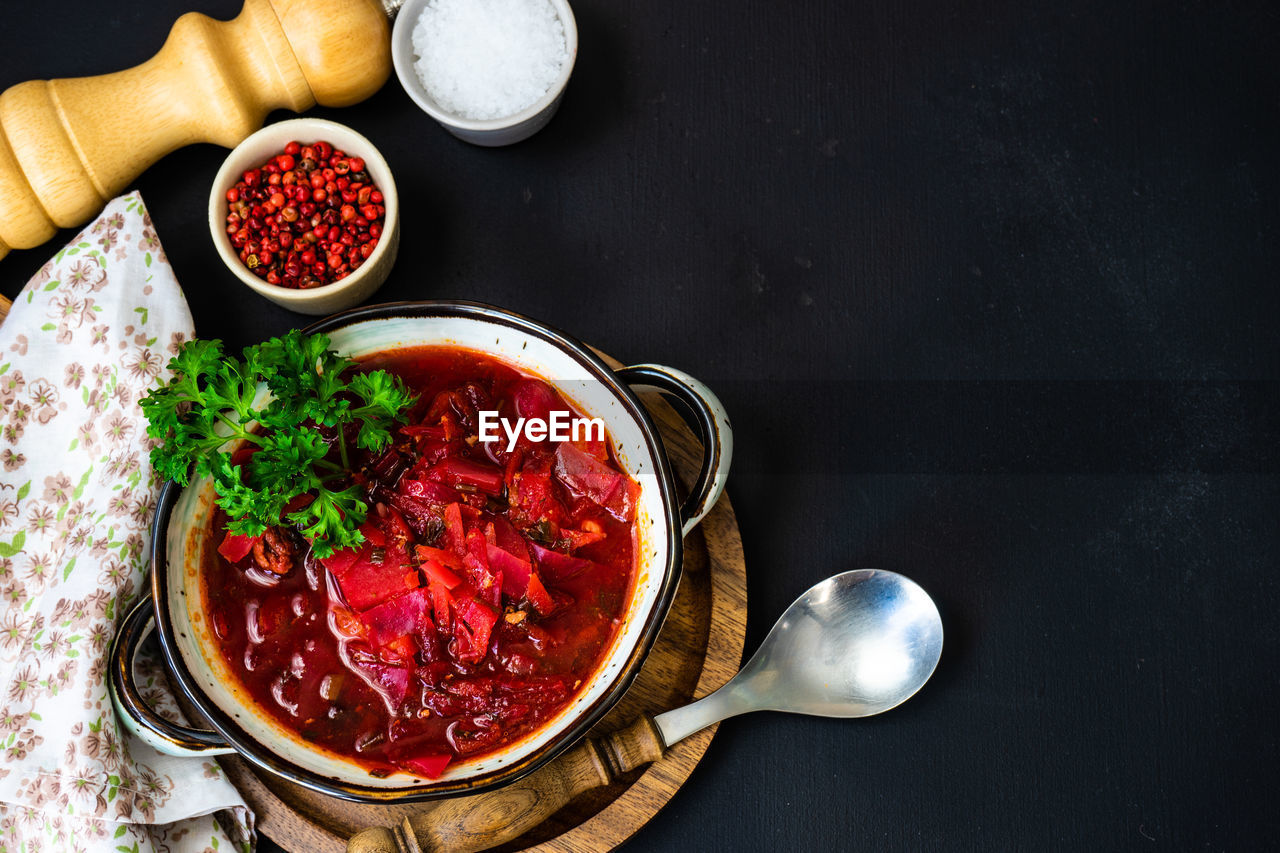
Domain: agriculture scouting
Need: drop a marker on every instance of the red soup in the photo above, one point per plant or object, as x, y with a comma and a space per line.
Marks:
489, 587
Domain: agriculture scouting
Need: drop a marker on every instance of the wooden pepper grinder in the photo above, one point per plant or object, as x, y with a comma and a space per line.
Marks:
68, 146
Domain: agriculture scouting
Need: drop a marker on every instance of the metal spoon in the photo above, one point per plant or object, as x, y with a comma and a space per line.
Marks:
854, 645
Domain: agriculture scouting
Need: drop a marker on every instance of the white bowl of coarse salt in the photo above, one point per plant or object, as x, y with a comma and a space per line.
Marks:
491, 71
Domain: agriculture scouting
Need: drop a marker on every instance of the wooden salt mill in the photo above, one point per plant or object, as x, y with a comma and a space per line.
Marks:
69, 146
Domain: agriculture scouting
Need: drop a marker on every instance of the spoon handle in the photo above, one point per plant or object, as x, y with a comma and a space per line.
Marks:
481, 821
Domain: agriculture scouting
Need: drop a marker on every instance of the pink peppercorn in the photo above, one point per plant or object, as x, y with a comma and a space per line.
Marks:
308, 216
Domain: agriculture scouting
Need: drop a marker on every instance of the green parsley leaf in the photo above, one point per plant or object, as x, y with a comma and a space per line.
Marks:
212, 406
384, 397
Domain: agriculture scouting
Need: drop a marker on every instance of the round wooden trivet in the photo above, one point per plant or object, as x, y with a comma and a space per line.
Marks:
698, 649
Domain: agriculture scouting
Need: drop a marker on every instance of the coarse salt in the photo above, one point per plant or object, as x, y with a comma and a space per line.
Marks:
488, 59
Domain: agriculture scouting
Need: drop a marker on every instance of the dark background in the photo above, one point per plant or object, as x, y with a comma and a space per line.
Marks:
990, 291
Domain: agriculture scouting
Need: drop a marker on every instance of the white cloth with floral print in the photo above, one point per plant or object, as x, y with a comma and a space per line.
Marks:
84, 340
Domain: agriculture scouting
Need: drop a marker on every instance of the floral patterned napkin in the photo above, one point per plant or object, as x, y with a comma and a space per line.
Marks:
84, 340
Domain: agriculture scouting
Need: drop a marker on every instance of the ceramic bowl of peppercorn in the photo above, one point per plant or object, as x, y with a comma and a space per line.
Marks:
305, 213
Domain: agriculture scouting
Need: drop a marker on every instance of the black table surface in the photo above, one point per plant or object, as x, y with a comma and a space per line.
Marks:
990, 292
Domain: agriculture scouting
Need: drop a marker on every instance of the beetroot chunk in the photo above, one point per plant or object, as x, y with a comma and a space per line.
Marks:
391, 682
234, 547
407, 613
339, 561
584, 475
557, 567
376, 574
534, 399
427, 766
515, 571
476, 625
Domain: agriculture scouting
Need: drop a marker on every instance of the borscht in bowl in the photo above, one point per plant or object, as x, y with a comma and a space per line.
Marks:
435, 599
491, 579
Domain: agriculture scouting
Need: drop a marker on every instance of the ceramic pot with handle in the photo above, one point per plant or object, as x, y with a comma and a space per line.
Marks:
176, 608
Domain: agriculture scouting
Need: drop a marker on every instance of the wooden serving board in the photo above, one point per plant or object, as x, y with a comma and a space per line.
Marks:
699, 649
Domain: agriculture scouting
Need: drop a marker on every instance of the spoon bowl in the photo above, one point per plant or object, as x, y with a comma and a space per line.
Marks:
853, 645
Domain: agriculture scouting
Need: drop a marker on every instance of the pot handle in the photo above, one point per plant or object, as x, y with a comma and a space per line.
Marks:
713, 427
133, 711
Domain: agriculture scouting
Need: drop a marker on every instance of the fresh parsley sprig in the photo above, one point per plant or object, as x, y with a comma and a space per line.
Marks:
210, 407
